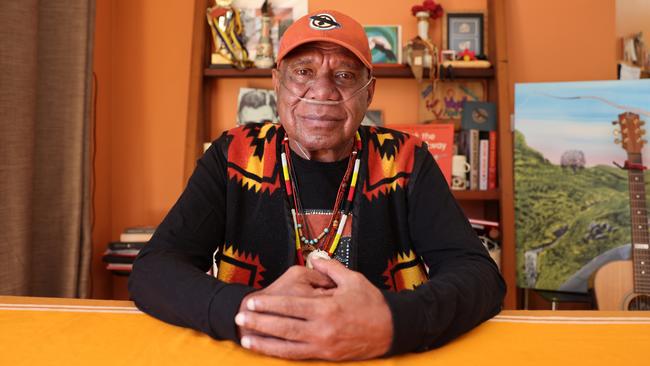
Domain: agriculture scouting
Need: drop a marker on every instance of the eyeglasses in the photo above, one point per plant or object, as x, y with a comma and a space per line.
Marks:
299, 83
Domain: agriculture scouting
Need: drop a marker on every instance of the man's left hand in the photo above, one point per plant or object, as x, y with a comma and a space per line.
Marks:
354, 323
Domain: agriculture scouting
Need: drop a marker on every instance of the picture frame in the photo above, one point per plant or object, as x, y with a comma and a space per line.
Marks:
373, 117
444, 100
466, 29
256, 106
479, 115
385, 43
447, 55
285, 12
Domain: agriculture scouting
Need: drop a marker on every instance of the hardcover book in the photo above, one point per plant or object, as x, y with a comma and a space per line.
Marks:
492, 160
440, 139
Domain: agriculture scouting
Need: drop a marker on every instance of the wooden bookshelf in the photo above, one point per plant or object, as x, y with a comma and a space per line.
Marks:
474, 195
498, 204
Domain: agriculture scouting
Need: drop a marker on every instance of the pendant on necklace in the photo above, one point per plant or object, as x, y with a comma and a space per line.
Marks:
318, 253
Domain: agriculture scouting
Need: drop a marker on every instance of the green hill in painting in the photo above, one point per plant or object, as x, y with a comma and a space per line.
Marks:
565, 218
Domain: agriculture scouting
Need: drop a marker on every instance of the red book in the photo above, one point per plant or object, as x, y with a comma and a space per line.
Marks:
492, 161
440, 139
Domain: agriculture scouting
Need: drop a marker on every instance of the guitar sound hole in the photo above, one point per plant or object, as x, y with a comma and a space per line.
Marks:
640, 302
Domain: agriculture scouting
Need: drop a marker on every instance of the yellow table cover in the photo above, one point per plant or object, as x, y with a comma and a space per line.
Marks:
48, 331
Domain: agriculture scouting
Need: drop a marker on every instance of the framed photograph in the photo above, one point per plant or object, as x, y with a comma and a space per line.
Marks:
373, 117
385, 43
465, 30
447, 55
481, 116
285, 12
256, 106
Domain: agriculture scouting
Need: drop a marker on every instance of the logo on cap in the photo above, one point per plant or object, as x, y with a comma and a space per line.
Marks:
323, 21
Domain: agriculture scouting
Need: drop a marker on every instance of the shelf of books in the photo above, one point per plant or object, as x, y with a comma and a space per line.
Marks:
119, 255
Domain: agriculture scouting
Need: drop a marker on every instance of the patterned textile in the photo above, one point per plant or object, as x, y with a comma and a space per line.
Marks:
258, 214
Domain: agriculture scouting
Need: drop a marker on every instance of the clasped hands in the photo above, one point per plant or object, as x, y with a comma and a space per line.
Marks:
329, 312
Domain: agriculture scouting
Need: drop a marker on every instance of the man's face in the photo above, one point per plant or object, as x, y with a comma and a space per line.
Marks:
322, 71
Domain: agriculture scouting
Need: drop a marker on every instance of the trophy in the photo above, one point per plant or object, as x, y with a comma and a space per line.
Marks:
226, 27
264, 55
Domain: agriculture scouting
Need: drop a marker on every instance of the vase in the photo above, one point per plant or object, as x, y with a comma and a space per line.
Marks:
423, 24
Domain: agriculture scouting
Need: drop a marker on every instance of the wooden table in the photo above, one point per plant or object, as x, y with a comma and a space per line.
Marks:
46, 331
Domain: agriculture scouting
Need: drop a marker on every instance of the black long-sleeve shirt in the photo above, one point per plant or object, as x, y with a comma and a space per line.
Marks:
464, 287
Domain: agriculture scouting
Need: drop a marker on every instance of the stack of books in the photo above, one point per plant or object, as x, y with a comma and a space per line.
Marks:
119, 255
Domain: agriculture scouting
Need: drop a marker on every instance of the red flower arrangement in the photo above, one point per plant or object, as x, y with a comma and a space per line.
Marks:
430, 6
467, 55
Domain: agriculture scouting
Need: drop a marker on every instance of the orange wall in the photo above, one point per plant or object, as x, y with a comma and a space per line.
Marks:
632, 16
559, 40
142, 64
142, 59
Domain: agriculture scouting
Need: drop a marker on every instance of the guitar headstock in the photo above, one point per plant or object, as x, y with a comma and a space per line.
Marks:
631, 132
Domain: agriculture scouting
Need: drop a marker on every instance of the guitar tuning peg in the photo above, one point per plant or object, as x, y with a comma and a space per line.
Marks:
617, 141
614, 122
641, 132
641, 123
616, 132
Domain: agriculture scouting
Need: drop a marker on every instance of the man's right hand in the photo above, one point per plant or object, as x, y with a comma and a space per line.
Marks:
297, 281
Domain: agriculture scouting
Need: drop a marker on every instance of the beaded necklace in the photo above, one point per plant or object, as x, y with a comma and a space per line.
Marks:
328, 239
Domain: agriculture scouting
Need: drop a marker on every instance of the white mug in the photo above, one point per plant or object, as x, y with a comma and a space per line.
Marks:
459, 165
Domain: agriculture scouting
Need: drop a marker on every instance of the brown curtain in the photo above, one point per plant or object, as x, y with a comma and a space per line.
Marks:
45, 129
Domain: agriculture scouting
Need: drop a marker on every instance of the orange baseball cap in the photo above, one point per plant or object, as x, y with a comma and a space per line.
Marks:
328, 26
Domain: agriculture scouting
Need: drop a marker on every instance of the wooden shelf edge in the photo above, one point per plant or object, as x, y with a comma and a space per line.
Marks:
474, 195
380, 71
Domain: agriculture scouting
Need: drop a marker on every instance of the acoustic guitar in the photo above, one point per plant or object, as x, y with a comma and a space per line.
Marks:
625, 285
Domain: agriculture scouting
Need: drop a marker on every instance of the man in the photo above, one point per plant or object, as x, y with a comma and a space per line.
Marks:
320, 186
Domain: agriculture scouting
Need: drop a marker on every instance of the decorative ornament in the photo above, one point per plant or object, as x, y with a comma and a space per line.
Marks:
421, 53
428, 10
264, 55
227, 29
320, 254
467, 55
435, 10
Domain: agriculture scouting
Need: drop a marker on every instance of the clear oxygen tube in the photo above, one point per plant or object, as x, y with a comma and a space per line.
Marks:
327, 102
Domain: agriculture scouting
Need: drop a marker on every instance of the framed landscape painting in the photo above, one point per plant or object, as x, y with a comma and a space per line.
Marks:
572, 211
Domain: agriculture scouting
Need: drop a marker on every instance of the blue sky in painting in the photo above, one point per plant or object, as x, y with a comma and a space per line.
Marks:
553, 125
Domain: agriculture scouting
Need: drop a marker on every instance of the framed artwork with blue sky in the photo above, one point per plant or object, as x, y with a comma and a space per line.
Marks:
571, 198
